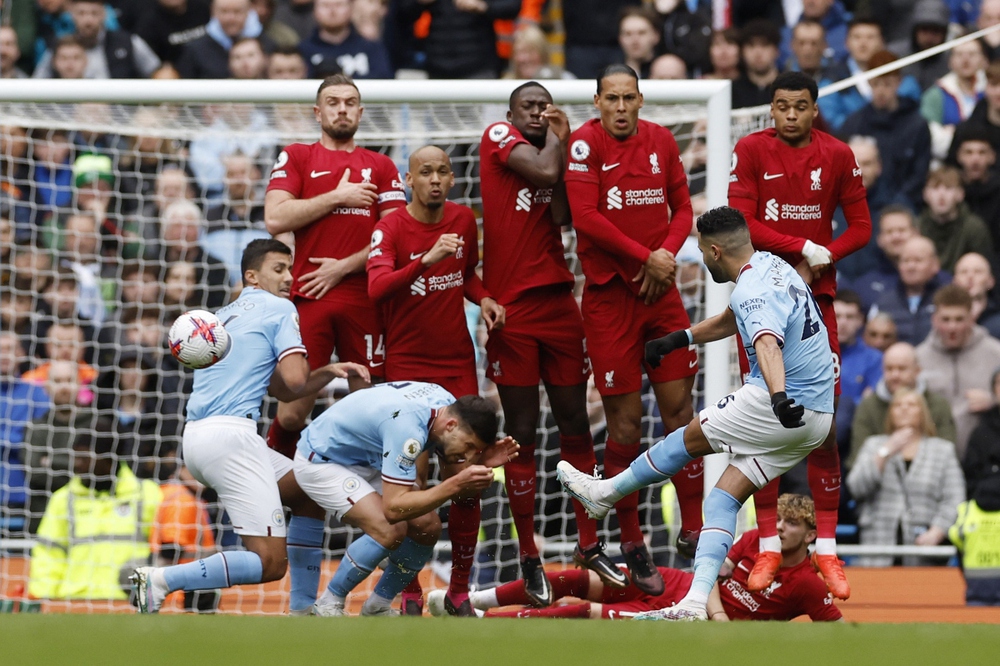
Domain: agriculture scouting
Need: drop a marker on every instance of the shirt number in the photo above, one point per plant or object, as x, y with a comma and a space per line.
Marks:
805, 298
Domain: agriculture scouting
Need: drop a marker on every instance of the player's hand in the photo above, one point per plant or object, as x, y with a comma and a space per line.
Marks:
816, 255
558, 122
650, 290
494, 314
331, 271
787, 411
660, 347
445, 246
661, 266
804, 271
500, 453
473, 477
345, 370
354, 195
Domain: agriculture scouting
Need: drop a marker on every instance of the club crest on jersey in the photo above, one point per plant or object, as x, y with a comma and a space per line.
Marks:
609, 379
814, 175
654, 162
498, 132
366, 175
580, 150
497, 372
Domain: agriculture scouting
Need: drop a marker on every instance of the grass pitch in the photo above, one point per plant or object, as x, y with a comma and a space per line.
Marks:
272, 641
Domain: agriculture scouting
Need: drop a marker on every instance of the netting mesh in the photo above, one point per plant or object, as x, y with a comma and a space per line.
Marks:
117, 218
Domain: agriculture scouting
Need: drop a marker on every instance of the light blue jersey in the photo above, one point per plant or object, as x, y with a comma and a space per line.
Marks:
264, 329
385, 428
770, 297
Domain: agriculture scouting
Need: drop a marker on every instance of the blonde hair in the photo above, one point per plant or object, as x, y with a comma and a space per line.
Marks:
798, 507
927, 428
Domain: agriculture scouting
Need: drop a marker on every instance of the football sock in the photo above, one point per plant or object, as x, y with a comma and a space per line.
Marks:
714, 544
617, 458
690, 486
414, 591
404, 564
662, 461
359, 561
235, 567
571, 611
484, 599
305, 559
519, 478
463, 527
578, 451
765, 504
281, 440
823, 470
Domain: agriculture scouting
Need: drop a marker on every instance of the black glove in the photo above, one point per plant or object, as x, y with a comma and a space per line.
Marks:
660, 347
787, 411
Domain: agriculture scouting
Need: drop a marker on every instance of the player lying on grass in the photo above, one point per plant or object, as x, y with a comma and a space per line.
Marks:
365, 460
782, 412
796, 589
223, 450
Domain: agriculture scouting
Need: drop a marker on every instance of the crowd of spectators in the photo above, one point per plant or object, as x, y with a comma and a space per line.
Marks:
106, 237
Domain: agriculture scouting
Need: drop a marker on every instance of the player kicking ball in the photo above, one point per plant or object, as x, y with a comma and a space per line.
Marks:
224, 452
783, 411
365, 459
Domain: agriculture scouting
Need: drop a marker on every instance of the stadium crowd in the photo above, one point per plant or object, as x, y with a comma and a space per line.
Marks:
106, 238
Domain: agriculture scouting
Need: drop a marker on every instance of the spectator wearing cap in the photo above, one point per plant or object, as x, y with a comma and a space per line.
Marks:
930, 28
94, 192
759, 41
976, 158
953, 97
894, 121
207, 57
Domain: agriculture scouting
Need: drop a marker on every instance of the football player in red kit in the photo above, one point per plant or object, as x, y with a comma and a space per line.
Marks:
632, 212
421, 268
330, 194
521, 164
795, 591
788, 181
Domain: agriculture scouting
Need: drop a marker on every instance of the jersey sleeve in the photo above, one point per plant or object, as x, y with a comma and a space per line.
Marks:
391, 193
286, 174
854, 202
743, 174
500, 139
678, 197
383, 278
403, 440
815, 601
764, 311
287, 338
582, 165
741, 546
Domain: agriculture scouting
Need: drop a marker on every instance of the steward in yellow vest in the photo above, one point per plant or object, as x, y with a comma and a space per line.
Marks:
976, 534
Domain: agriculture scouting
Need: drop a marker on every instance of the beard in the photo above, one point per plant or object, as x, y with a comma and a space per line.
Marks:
340, 132
433, 205
717, 273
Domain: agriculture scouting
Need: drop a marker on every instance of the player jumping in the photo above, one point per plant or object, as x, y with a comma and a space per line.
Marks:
783, 412
788, 181
224, 452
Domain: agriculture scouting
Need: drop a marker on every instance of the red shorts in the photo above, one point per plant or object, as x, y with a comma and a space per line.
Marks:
457, 385
825, 304
351, 326
542, 340
618, 325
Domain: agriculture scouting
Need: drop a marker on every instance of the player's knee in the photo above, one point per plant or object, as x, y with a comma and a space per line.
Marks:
574, 425
676, 416
426, 529
273, 565
388, 535
624, 430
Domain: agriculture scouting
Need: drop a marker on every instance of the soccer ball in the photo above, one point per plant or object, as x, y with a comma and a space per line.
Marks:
198, 339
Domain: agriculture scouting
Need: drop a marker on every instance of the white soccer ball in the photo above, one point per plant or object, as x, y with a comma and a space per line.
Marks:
198, 339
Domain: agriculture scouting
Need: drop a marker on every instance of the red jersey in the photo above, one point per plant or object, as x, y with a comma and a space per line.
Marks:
522, 246
628, 197
424, 306
795, 591
306, 171
790, 194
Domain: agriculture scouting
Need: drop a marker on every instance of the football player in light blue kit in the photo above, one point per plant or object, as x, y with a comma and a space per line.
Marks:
784, 410
223, 450
365, 461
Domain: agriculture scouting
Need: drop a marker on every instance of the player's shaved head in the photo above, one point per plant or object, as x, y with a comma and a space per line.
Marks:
516, 93
428, 154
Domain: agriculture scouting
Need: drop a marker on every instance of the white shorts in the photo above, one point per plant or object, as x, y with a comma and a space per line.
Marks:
336, 488
743, 425
226, 454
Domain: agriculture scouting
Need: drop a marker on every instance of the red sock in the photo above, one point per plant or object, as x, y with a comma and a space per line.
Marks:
281, 440
765, 503
617, 457
414, 589
520, 481
578, 451
690, 486
571, 611
463, 526
824, 484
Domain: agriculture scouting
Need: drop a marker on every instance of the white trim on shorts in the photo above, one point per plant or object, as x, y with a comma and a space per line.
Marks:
336, 488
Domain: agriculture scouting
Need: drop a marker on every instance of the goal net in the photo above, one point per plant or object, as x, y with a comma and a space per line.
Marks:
119, 214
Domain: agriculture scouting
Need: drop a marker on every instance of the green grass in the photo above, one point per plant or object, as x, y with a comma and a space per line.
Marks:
121, 639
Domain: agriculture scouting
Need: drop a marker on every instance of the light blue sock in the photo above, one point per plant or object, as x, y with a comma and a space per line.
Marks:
305, 559
714, 542
359, 561
235, 567
659, 463
404, 563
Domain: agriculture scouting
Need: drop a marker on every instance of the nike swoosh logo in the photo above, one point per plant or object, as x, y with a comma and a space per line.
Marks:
519, 493
830, 490
693, 363
609, 167
375, 365
772, 176
417, 255
317, 174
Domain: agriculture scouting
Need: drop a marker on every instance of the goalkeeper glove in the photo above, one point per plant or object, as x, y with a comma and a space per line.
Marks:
787, 411
816, 255
660, 347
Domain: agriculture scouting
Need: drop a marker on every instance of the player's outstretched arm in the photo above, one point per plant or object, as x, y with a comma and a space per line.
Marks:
772, 367
543, 167
283, 212
716, 611
401, 502
293, 380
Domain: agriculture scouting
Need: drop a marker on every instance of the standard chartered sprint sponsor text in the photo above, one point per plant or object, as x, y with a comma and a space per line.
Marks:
775, 211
